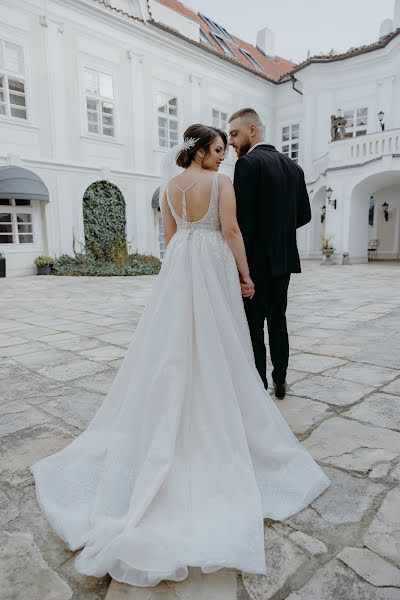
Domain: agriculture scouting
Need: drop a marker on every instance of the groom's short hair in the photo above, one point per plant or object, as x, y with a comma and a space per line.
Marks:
248, 114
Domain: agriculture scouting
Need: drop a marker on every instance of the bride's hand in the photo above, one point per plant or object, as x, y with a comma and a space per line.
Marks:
247, 287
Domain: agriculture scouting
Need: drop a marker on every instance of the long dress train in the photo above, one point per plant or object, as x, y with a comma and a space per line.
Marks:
188, 452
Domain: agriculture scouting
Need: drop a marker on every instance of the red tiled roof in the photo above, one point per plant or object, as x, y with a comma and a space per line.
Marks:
273, 68
332, 57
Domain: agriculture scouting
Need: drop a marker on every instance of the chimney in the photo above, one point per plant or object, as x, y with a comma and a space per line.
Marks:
266, 42
386, 28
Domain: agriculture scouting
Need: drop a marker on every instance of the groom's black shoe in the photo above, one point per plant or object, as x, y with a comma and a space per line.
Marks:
280, 390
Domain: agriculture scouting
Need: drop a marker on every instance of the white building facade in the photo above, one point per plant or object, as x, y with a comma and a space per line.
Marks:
99, 90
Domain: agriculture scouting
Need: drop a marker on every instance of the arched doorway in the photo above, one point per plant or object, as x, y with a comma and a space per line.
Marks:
23, 197
104, 219
158, 222
318, 221
375, 217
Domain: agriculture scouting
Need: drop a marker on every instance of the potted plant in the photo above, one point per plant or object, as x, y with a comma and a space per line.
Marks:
327, 249
2, 265
44, 264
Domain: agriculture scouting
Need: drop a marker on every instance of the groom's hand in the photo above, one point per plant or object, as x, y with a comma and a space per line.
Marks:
247, 287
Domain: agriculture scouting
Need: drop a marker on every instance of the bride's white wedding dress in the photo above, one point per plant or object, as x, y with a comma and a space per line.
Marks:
188, 452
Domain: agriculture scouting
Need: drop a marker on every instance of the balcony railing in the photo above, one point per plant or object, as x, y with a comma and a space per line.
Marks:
364, 148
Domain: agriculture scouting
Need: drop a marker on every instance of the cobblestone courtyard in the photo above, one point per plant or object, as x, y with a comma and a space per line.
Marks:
61, 341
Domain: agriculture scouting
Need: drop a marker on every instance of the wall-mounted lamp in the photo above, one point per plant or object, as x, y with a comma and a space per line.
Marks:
331, 202
385, 207
381, 116
339, 113
323, 213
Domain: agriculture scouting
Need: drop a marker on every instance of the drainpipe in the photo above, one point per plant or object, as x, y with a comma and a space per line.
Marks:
293, 78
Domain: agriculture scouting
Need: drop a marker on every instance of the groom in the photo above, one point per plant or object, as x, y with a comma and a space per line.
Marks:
272, 202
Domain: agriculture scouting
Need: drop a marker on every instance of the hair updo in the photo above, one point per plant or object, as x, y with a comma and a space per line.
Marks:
204, 136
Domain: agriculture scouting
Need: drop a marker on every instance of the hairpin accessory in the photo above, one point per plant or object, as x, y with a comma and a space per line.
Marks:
189, 143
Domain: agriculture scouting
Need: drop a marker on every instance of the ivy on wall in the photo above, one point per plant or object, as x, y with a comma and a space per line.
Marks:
104, 219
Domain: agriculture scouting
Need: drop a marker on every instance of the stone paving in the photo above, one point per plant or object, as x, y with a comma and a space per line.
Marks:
61, 342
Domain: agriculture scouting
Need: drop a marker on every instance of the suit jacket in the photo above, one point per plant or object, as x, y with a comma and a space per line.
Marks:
272, 202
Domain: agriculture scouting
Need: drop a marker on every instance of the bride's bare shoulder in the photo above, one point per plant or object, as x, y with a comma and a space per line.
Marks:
224, 180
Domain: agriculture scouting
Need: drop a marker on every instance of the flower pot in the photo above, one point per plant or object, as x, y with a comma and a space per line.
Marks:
328, 253
44, 270
2, 266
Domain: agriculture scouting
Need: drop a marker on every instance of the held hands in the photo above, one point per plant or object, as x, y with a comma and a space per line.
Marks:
247, 287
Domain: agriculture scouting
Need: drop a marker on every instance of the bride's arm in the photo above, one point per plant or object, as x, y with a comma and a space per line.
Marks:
169, 223
231, 231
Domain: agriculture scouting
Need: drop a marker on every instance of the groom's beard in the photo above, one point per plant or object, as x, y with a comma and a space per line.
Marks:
244, 149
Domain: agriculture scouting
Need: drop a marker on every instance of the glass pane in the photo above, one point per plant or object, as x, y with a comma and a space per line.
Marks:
361, 120
5, 217
161, 103
173, 125
18, 112
25, 227
14, 85
106, 85
215, 114
285, 134
92, 104
91, 82
24, 218
92, 117
162, 122
22, 202
362, 112
164, 143
348, 114
107, 108
6, 239
174, 136
5, 203
295, 132
363, 132
93, 128
163, 132
285, 149
14, 57
17, 100
5, 228
108, 131
295, 147
107, 120
25, 238
173, 106
350, 123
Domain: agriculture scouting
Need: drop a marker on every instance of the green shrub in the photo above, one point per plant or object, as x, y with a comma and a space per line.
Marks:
44, 261
104, 221
88, 265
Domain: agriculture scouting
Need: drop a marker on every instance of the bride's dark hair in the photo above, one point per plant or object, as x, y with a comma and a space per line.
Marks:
204, 136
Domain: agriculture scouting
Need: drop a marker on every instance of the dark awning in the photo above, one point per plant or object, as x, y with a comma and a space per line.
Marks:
21, 184
155, 201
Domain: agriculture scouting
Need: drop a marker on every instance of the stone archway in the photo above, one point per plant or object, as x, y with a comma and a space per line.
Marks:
368, 223
318, 221
104, 219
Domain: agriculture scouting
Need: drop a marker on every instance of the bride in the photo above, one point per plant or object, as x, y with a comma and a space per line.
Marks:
188, 452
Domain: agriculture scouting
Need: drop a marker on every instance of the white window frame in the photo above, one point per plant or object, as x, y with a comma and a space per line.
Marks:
218, 120
254, 63
170, 118
291, 141
6, 75
100, 100
356, 130
223, 44
15, 211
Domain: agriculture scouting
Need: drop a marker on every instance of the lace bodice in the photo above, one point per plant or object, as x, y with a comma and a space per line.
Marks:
210, 220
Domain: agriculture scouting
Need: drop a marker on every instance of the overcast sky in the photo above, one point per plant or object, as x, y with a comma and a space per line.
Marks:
299, 25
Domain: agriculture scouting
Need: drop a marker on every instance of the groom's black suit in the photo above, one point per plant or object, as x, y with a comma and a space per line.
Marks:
272, 202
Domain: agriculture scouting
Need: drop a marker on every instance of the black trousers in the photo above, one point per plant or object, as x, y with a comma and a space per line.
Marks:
269, 303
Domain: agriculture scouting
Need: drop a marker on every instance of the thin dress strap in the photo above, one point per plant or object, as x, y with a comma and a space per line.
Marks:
184, 212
